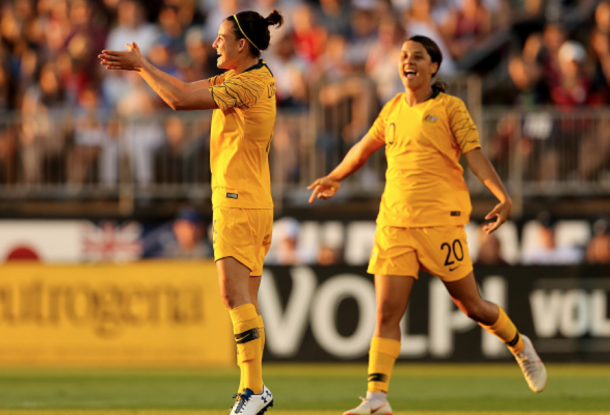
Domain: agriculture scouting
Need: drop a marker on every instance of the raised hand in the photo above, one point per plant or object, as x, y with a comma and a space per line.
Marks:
125, 60
323, 188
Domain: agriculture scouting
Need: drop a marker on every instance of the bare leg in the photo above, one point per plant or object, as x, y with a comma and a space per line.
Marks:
253, 287
465, 294
233, 277
392, 294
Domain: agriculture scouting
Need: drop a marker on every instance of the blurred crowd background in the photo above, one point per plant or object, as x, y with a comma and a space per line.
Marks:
535, 75
530, 52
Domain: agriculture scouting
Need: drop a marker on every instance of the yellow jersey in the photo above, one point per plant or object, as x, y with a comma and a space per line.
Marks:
424, 180
242, 129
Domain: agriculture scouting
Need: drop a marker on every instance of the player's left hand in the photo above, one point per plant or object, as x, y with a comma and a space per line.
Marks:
501, 212
323, 188
125, 60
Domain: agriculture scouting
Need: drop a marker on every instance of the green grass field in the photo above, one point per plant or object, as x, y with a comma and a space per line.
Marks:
304, 390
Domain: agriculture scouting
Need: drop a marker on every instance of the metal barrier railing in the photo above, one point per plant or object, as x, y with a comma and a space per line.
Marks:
548, 152
542, 152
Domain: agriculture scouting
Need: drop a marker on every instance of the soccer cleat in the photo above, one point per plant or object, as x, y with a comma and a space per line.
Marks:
251, 404
532, 367
371, 407
236, 399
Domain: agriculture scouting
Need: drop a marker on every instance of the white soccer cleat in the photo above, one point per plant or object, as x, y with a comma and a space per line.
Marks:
532, 367
251, 404
371, 407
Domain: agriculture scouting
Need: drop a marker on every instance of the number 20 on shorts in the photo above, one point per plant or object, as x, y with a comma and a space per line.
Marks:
454, 248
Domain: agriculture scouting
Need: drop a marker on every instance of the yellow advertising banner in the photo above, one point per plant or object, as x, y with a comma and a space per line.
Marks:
148, 313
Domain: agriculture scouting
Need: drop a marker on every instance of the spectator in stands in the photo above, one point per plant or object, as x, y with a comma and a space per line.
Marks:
89, 137
171, 159
190, 238
544, 49
467, 27
290, 74
527, 89
602, 17
199, 60
600, 83
600, 45
490, 250
420, 21
43, 135
362, 37
217, 11
172, 30
548, 253
328, 255
308, 37
85, 39
142, 134
7, 89
56, 29
573, 87
131, 27
188, 12
334, 16
162, 57
380, 65
594, 153
8, 154
598, 249
285, 246
110, 157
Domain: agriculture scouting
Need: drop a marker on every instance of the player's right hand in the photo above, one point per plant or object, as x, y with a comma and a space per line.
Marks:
323, 188
125, 60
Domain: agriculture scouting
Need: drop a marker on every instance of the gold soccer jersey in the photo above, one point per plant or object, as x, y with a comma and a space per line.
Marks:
424, 180
242, 129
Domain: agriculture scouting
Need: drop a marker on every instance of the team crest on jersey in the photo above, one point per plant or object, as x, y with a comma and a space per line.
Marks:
431, 118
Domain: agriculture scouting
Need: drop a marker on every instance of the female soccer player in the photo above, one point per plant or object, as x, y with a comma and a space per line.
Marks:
422, 215
242, 127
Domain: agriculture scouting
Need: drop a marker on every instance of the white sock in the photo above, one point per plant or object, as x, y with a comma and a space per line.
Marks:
377, 396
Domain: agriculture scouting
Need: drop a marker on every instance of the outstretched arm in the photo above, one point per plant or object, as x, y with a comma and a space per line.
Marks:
326, 187
482, 168
177, 94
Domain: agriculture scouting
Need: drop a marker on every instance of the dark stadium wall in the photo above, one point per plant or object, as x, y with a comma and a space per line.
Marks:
328, 314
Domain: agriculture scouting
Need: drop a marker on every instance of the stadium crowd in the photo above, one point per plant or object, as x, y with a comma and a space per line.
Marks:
528, 54
48, 52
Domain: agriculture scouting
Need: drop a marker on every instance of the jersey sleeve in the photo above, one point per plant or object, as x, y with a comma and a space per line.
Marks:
464, 131
241, 91
217, 80
377, 131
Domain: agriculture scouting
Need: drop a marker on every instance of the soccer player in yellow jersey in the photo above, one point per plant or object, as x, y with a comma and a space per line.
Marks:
422, 215
243, 100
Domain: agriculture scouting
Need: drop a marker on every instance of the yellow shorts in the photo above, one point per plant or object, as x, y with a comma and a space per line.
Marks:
244, 234
441, 251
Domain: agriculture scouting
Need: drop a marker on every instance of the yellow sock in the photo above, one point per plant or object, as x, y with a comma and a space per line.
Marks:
382, 356
248, 338
240, 389
506, 331
261, 324
242, 376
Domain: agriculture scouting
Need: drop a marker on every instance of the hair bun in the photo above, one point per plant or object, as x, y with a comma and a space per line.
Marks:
275, 18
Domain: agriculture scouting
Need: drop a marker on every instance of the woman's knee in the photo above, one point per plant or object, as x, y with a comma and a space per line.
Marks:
232, 296
476, 310
389, 314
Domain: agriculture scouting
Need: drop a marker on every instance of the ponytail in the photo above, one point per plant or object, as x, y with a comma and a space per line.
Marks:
275, 19
440, 85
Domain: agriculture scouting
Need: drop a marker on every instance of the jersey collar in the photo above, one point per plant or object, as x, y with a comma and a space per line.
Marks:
261, 63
